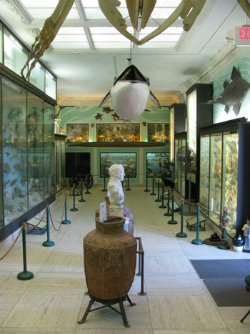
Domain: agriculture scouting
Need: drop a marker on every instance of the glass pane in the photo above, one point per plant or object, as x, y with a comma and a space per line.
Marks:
204, 172
49, 165
37, 77
63, 182
58, 166
215, 177
50, 85
35, 150
191, 120
1, 43
15, 55
230, 179
1, 183
175, 164
172, 135
14, 155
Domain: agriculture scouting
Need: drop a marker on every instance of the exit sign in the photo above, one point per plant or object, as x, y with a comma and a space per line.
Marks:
242, 36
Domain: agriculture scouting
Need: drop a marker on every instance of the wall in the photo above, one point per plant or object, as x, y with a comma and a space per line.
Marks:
86, 114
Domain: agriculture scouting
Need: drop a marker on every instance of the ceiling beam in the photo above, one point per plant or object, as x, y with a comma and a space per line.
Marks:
98, 23
84, 20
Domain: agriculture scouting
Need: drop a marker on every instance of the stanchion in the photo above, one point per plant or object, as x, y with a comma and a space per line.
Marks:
82, 199
172, 221
24, 275
104, 189
162, 206
168, 213
197, 241
153, 187
66, 221
147, 190
128, 182
224, 244
48, 243
181, 234
87, 185
74, 200
158, 199
141, 266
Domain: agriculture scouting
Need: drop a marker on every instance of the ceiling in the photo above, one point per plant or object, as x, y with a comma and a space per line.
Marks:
88, 52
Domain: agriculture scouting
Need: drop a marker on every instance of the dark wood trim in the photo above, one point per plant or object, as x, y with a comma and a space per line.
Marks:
115, 144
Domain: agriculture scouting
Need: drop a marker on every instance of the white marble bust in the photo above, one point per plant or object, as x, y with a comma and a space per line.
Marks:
115, 190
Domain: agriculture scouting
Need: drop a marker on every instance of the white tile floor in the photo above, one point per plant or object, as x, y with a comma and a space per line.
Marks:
177, 301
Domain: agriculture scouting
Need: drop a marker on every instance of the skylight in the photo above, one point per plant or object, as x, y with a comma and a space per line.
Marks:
86, 27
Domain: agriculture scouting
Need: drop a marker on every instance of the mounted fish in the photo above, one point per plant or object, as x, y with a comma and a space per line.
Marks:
130, 93
234, 92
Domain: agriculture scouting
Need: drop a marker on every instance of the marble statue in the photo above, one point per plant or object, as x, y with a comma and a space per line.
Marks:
115, 190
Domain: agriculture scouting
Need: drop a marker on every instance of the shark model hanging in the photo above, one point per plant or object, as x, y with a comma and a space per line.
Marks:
130, 93
234, 92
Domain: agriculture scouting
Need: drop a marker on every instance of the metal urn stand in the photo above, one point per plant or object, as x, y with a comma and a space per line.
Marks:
109, 263
108, 303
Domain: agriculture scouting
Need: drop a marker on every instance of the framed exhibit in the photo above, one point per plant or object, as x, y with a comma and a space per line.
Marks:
157, 164
118, 132
77, 133
127, 159
158, 132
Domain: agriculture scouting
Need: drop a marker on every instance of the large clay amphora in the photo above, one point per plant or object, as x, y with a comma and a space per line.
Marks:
109, 259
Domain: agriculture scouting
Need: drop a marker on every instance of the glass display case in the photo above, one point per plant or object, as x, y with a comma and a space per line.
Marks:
37, 77
177, 123
60, 177
199, 114
1, 43
180, 175
15, 54
27, 151
14, 157
49, 150
219, 151
172, 143
50, 84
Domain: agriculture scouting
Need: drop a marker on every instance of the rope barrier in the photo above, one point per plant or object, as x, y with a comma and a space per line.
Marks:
22, 227
32, 228
178, 200
53, 222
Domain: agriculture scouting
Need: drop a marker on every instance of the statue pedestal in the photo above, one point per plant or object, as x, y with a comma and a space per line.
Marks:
116, 210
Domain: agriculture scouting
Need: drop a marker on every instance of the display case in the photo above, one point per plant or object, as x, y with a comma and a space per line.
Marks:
177, 124
27, 155
219, 173
180, 175
60, 160
199, 114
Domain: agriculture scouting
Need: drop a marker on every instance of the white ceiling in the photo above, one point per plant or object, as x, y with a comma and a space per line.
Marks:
87, 52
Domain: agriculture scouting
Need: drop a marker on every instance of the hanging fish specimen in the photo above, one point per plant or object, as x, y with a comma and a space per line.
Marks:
129, 94
234, 92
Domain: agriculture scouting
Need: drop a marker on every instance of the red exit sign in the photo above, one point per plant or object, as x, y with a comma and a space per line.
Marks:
244, 33
242, 36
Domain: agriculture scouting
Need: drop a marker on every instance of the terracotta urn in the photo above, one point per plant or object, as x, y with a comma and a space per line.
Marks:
109, 259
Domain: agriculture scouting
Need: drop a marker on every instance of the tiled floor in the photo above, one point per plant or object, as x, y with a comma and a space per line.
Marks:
177, 301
